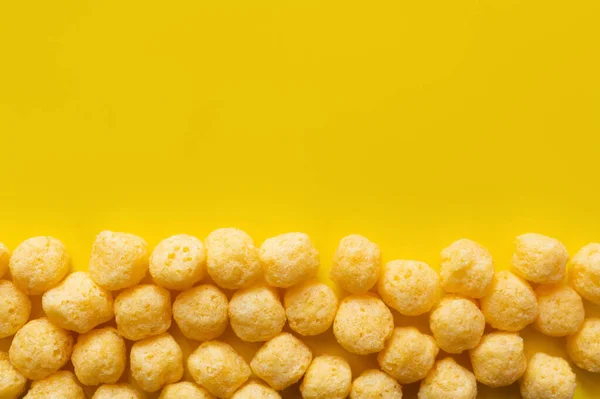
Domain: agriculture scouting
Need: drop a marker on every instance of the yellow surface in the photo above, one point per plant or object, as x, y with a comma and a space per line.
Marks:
413, 123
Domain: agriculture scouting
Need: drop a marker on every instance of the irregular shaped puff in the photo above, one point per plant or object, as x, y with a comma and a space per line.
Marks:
61, 384
561, 311
356, 264
327, 377
408, 355
117, 391
118, 260
362, 324
15, 308
281, 371
256, 390
4, 259
99, 357
457, 324
12, 382
256, 314
40, 348
178, 262
448, 379
466, 268
289, 259
78, 303
185, 390
510, 303
232, 259
143, 311
584, 272
539, 258
584, 346
219, 368
201, 312
156, 362
409, 286
38, 264
499, 359
548, 377
310, 307
375, 384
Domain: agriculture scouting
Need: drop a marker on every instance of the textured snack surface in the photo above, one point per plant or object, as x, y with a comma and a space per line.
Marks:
201, 312
457, 324
143, 311
185, 390
99, 357
178, 262
548, 377
12, 382
539, 259
375, 384
561, 311
15, 308
289, 259
310, 307
356, 264
584, 346
327, 377
255, 390
256, 314
156, 362
466, 268
448, 379
584, 272
61, 384
116, 391
499, 359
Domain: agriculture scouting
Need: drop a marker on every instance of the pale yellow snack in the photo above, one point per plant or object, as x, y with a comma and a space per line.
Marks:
561, 311
156, 362
38, 264
457, 324
310, 307
232, 260
448, 379
178, 262
15, 308
78, 303
289, 259
548, 377
584, 346
584, 272
408, 355
327, 377
409, 286
282, 361
185, 390
201, 312
356, 264
539, 258
256, 390
375, 384
510, 303
40, 348
256, 314
143, 311
61, 385
219, 368
466, 268
116, 391
12, 383
499, 359
4, 259
99, 357
118, 260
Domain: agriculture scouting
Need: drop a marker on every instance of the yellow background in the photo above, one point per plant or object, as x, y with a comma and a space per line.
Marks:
413, 123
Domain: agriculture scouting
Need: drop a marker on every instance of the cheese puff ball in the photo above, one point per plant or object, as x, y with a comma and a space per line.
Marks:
78, 303
219, 368
232, 260
117, 391
539, 258
282, 361
548, 377
201, 312
15, 308
466, 268
448, 379
178, 262
118, 260
156, 362
362, 324
4, 259
99, 357
310, 307
143, 311
356, 264
408, 355
411, 287
584, 346
327, 377
256, 390
561, 311
40, 348
256, 314
584, 272
12, 383
185, 390
510, 303
457, 324
375, 384
499, 359
289, 259
60, 385
39, 264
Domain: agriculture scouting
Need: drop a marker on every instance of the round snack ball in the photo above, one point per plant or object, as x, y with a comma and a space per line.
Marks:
408, 355
40, 348
219, 368
548, 377
39, 264
585, 272
466, 268
185, 390
143, 311
99, 357
232, 259
510, 303
409, 286
539, 258
362, 324
584, 346
282, 361
4, 259
12, 383
499, 359
78, 303
561, 311
118, 260
256, 390
448, 379
310, 307
201, 312
61, 384
327, 377
457, 324
116, 391
256, 314
356, 264
15, 308
178, 262
289, 259
375, 384
156, 362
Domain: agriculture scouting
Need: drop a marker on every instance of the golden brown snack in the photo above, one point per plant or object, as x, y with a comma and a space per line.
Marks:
356, 264
143, 311
99, 357
548, 377
12, 382
156, 362
310, 307
61, 384
327, 377
178, 262
561, 311
256, 314
289, 259
375, 384
584, 346
448, 379
499, 359
584, 272
116, 391
539, 258
256, 390
457, 324
185, 390
201, 312
466, 268
15, 308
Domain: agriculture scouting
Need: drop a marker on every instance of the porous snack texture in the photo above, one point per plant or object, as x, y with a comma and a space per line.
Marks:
466, 268
585, 272
185, 390
256, 314
15, 308
12, 382
201, 312
375, 384
327, 377
448, 379
99, 357
117, 391
143, 311
4, 259
584, 346
540, 259
561, 311
156, 362
289, 259
356, 264
256, 390
310, 307
548, 377
499, 359
61, 384
457, 324
178, 262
